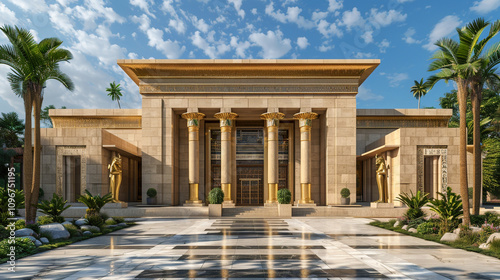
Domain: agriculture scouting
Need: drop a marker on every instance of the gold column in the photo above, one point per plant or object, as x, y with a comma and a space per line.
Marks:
226, 123
193, 124
305, 123
272, 123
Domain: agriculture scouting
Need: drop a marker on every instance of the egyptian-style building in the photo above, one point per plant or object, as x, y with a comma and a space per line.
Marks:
250, 127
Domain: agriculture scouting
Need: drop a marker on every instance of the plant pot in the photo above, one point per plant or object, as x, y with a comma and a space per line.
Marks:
215, 210
151, 200
285, 210
345, 200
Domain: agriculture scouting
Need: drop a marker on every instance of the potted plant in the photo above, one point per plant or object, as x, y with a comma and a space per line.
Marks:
345, 199
284, 206
215, 199
151, 200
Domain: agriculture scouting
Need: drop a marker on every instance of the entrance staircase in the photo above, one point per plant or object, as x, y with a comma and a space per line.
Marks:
250, 212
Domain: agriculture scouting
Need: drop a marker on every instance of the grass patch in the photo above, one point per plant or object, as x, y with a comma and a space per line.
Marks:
459, 244
63, 243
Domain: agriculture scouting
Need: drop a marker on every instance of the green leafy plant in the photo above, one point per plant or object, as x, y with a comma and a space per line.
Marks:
54, 207
416, 222
4, 201
45, 220
95, 220
495, 246
449, 208
4, 233
20, 224
110, 222
429, 227
414, 202
151, 192
118, 219
284, 196
73, 230
345, 192
34, 227
216, 196
23, 246
94, 203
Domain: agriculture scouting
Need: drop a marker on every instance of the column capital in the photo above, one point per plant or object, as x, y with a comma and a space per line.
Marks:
193, 118
305, 118
226, 118
272, 118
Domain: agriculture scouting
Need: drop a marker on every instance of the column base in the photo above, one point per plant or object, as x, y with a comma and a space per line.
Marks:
228, 204
273, 193
191, 203
226, 189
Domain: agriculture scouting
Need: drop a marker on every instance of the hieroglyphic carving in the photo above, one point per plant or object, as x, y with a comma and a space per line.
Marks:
247, 89
394, 123
70, 151
423, 151
97, 122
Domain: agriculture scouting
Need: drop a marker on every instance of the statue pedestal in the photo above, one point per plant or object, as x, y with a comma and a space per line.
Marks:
381, 205
116, 205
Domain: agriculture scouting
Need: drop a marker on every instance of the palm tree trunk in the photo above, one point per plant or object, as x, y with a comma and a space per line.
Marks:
476, 104
419, 102
119, 104
28, 155
462, 106
37, 104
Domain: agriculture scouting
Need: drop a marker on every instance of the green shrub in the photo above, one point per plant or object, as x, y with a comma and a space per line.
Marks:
216, 196
428, 227
4, 203
34, 227
492, 218
495, 245
20, 224
4, 233
45, 220
467, 237
345, 192
95, 220
94, 230
449, 209
22, 246
414, 213
54, 207
94, 203
73, 230
151, 192
119, 219
110, 222
284, 196
414, 202
477, 220
4, 218
416, 222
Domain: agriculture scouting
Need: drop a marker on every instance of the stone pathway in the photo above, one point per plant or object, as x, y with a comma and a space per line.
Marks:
257, 248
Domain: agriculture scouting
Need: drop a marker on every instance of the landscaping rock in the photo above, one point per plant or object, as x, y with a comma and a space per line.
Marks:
476, 229
44, 240
81, 222
413, 230
405, 227
122, 224
111, 226
67, 223
397, 224
456, 231
87, 233
91, 228
55, 230
484, 246
30, 238
38, 243
449, 237
24, 232
492, 237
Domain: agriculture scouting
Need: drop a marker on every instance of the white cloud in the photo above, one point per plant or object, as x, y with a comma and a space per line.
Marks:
65, 3
60, 20
292, 15
178, 25
366, 94
31, 6
319, 15
328, 29
94, 10
383, 45
237, 6
171, 49
143, 5
273, 45
326, 46
367, 36
143, 22
395, 79
352, 19
200, 24
11, 100
99, 46
240, 47
334, 5
302, 42
385, 18
35, 35
213, 50
175, 22
408, 38
485, 6
133, 55
442, 29
8, 16
254, 11
361, 55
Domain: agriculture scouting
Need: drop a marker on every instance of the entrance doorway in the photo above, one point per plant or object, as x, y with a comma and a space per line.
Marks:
249, 166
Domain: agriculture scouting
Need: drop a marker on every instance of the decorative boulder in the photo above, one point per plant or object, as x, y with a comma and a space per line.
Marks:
38, 243
67, 223
111, 226
87, 233
81, 222
90, 228
405, 227
122, 224
476, 229
44, 240
456, 231
55, 230
397, 224
485, 246
449, 237
492, 237
24, 232
413, 230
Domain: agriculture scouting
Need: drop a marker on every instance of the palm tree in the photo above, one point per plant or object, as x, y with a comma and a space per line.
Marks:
115, 92
32, 65
419, 90
11, 128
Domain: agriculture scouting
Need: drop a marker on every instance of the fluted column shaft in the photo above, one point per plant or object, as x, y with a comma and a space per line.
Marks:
226, 123
193, 124
272, 124
305, 123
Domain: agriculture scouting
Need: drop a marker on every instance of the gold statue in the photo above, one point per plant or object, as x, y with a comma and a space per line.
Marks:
115, 177
381, 179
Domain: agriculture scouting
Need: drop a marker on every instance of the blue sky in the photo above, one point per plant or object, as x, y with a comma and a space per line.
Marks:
400, 33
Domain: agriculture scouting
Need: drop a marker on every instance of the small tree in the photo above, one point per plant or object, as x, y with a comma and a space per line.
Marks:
115, 92
449, 208
419, 90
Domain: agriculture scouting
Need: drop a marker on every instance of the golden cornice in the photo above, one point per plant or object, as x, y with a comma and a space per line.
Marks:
193, 116
305, 115
272, 115
226, 116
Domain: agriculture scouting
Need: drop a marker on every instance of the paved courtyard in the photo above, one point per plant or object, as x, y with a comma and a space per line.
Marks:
235, 248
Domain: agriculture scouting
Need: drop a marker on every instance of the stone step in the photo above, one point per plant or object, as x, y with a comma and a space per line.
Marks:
250, 212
